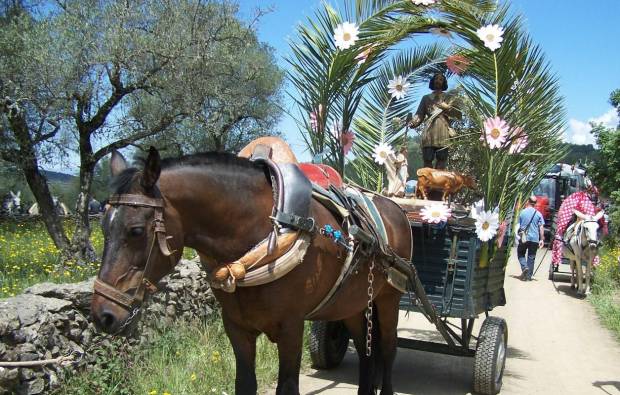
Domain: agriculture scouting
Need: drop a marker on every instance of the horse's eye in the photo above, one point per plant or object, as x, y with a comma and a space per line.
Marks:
136, 231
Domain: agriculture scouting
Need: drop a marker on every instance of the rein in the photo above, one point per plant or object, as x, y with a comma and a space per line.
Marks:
132, 302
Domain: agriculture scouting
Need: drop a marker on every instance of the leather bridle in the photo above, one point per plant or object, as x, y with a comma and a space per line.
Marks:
132, 302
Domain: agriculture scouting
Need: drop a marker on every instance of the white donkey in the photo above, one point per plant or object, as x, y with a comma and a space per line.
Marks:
12, 203
581, 245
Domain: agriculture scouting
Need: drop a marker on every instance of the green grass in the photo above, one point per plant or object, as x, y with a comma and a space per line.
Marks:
28, 256
193, 358
606, 290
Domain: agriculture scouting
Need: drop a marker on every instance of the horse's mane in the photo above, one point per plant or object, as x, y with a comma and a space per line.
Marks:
122, 182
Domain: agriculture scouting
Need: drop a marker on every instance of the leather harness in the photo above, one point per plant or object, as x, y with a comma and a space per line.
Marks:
159, 234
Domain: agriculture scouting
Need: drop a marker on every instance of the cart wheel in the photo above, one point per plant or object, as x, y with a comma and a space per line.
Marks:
551, 271
490, 356
329, 341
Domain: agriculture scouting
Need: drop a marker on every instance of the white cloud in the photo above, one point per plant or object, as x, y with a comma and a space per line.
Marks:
578, 132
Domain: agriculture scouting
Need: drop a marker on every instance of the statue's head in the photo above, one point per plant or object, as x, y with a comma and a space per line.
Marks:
438, 82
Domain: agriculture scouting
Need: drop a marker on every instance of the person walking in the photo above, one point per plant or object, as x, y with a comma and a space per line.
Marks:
531, 237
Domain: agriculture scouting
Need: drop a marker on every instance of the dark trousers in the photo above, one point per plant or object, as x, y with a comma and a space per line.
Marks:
431, 153
528, 248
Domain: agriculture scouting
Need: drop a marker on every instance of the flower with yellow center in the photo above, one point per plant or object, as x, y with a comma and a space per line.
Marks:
435, 213
495, 132
487, 223
345, 35
491, 35
398, 87
382, 152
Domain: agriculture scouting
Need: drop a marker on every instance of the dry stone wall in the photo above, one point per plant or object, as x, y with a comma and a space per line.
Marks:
51, 320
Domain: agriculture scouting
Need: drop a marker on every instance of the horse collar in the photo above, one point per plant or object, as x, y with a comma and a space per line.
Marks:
159, 230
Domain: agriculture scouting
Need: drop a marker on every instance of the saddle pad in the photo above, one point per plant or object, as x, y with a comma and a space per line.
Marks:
365, 200
321, 175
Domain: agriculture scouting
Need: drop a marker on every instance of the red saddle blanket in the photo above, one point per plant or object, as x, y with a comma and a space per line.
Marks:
321, 175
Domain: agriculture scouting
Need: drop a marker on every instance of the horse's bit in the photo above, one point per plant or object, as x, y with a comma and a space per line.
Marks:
131, 302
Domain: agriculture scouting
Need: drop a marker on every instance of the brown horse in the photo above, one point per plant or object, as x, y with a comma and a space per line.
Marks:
220, 205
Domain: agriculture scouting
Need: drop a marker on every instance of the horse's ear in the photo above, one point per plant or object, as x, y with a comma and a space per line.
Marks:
19, 194
117, 163
579, 214
12, 194
152, 168
599, 215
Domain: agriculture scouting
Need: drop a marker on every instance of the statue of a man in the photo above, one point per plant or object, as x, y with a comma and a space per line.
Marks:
438, 111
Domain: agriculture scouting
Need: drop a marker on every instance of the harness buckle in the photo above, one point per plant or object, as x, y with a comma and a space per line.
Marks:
150, 287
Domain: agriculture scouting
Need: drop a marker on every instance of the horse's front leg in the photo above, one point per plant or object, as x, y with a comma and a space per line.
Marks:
579, 269
290, 342
588, 276
573, 274
244, 346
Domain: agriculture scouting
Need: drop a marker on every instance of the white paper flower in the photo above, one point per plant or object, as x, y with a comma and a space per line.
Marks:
345, 35
435, 213
423, 2
491, 35
495, 132
487, 224
398, 87
382, 151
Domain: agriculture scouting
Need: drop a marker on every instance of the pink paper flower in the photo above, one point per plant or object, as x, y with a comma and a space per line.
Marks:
495, 132
362, 56
346, 139
519, 141
457, 64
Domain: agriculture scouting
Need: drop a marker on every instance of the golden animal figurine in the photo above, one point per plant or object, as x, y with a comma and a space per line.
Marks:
448, 181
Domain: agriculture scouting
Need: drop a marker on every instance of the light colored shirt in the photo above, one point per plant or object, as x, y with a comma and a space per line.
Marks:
531, 214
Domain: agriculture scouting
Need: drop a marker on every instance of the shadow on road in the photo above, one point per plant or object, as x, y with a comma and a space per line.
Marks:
614, 384
418, 372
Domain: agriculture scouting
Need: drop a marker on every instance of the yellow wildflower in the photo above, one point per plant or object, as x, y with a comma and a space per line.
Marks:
193, 377
216, 357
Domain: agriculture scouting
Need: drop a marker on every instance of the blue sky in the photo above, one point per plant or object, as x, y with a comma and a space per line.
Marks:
580, 39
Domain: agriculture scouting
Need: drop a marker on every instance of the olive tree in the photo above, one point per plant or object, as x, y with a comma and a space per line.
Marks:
92, 76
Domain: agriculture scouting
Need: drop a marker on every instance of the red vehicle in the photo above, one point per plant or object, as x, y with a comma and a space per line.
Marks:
561, 181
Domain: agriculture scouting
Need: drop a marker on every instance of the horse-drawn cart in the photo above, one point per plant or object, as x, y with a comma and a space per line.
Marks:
455, 285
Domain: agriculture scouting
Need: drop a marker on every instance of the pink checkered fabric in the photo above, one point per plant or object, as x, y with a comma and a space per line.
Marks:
577, 201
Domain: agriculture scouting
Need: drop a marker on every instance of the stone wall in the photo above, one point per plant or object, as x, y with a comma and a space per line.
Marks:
51, 320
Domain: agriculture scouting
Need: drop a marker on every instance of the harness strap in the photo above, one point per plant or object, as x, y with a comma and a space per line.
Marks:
111, 293
128, 199
159, 236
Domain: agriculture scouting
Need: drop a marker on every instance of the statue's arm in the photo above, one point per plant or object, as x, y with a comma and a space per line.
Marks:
419, 115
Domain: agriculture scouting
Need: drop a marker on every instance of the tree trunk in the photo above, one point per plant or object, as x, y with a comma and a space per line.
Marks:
40, 190
81, 247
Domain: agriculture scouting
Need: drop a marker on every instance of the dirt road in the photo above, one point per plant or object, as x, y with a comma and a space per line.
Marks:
556, 345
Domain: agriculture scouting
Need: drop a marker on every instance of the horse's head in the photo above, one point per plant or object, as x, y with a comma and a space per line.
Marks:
590, 230
136, 254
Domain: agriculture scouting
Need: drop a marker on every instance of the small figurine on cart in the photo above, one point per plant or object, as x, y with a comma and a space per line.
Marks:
436, 108
397, 173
